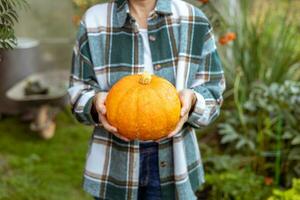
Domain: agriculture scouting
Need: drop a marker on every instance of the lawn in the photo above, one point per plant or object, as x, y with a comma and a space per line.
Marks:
32, 168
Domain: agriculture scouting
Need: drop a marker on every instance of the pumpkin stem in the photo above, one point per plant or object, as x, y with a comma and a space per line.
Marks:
145, 78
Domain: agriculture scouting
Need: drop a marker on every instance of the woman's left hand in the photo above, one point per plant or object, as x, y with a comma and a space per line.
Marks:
188, 100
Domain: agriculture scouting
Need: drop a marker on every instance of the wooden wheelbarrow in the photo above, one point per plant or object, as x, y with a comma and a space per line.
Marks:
40, 109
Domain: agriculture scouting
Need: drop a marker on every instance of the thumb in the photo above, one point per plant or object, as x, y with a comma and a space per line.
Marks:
102, 109
185, 106
183, 111
100, 102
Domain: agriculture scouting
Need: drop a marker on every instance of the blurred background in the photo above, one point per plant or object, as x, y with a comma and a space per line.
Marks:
252, 151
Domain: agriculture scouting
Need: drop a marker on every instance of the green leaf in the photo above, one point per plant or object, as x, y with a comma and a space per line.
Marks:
287, 135
229, 138
8, 17
240, 143
296, 140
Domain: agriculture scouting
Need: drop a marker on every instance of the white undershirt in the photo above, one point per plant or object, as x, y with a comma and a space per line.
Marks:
147, 57
147, 52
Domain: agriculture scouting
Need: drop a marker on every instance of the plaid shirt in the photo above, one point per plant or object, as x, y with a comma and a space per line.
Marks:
109, 47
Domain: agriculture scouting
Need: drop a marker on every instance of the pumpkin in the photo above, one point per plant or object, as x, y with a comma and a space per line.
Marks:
143, 107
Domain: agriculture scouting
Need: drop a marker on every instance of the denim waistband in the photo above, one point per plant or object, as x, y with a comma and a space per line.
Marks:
148, 144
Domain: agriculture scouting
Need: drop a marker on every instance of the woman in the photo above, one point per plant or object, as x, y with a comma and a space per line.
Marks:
169, 38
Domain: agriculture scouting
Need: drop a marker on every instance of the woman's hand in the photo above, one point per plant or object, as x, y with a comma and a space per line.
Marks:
99, 104
188, 100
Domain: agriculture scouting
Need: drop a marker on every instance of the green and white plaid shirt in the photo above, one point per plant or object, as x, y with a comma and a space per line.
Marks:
109, 47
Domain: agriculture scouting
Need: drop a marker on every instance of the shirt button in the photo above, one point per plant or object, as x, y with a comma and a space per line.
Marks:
163, 164
157, 67
153, 14
152, 38
132, 21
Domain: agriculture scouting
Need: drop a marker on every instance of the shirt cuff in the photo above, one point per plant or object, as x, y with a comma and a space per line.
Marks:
94, 114
197, 113
85, 110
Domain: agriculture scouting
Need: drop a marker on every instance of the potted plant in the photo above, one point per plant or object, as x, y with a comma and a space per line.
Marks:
8, 17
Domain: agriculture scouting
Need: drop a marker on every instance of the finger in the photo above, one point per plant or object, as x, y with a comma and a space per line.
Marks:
177, 129
112, 129
102, 109
100, 104
185, 105
184, 111
179, 126
161, 139
106, 125
121, 137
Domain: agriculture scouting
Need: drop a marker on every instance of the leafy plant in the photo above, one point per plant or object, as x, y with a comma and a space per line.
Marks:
266, 48
261, 105
8, 17
266, 106
235, 184
231, 177
291, 194
216, 160
271, 129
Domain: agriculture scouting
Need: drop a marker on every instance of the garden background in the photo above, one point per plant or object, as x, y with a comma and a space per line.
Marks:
252, 151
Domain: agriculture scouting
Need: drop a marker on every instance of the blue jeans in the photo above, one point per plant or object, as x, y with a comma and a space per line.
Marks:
149, 182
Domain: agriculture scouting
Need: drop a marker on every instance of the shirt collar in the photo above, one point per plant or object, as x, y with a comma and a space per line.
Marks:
162, 7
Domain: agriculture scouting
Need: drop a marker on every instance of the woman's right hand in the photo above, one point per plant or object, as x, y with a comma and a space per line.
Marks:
99, 104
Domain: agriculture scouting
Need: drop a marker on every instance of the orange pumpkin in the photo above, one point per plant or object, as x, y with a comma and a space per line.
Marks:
143, 106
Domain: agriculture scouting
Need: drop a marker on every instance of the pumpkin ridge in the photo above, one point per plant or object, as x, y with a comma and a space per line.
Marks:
137, 135
167, 85
164, 109
140, 99
125, 95
120, 100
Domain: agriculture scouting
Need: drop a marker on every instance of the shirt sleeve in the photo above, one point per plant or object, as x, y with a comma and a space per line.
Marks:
83, 84
208, 84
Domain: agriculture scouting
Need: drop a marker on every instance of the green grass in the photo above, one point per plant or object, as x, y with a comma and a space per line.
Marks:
34, 169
